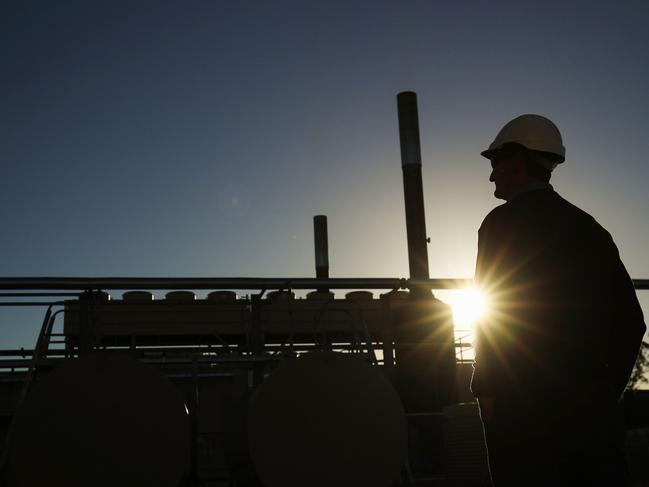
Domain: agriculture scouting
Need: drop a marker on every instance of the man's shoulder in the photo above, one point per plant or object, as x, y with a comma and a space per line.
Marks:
533, 199
495, 215
577, 218
540, 206
501, 215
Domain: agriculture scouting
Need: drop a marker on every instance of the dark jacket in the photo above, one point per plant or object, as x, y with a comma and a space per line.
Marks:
564, 320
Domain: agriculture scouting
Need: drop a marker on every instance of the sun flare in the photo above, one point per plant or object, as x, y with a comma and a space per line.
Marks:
468, 305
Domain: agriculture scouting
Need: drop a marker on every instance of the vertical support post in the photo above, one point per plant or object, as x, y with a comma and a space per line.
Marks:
256, 337
321, 243
87, 333
193, 412
387, 337
413, 188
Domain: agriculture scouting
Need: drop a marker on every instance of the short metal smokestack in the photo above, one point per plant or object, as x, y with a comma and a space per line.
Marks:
321, 248
412, 184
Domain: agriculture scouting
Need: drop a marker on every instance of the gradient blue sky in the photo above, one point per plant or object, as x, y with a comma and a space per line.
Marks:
199, 138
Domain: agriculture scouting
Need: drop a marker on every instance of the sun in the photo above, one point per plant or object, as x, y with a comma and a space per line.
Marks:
468, 305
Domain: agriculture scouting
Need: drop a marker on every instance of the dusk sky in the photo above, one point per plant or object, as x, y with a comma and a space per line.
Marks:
199, 138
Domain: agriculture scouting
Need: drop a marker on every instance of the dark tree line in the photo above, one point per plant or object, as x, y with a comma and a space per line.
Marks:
641, 368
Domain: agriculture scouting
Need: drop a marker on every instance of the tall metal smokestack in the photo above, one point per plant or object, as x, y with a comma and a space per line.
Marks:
423, 330
412, 184
321, 242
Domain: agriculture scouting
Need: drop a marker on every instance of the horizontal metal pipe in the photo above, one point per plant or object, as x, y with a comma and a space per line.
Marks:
37, 295
81, 283
174, 351
126, 283
641, 284
25, 363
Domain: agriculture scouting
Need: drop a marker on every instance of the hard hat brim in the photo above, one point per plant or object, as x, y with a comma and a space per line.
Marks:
489, 153
556, 158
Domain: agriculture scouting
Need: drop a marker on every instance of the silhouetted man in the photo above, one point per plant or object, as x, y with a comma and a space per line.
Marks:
563, 329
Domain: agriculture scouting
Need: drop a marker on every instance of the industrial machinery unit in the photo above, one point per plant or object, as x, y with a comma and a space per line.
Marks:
232, 361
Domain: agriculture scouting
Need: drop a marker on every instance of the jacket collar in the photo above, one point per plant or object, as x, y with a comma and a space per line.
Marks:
530, 187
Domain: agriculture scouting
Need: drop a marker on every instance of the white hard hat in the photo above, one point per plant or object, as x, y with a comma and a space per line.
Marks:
533, 132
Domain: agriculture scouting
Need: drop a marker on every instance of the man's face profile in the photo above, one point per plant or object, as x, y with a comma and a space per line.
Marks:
502, 174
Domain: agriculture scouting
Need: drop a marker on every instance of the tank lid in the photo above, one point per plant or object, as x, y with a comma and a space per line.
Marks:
320, 296
137, 296
359, 296
275, 295
222, 296
180, 296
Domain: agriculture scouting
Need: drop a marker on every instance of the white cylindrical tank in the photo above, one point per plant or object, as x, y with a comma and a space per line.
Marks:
100, 420
326, 419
